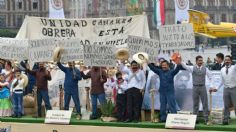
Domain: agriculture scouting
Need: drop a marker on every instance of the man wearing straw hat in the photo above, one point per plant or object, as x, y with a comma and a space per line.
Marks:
72, 77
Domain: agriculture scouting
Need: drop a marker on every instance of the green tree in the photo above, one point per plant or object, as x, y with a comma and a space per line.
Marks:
8, 33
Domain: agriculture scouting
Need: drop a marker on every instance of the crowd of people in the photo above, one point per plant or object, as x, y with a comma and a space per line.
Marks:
127, 84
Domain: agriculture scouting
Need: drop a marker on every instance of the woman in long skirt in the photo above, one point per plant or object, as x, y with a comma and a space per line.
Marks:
5, 101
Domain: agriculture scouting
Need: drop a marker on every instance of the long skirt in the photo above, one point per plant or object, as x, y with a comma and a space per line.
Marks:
5, 103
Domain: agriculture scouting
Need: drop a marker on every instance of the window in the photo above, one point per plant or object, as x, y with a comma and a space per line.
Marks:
211, 2
19, 4
19, 21
2, 21
198, 2
234, 3
35, 4
234, 18
2, 4
223, 18
223, 3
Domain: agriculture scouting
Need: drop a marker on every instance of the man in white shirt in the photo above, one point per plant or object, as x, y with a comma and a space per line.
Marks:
136, 83
199, 73
228, 74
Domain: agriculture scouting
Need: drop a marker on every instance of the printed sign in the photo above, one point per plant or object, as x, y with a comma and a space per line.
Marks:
178, 36
13, 49
140, 44
181, 121
72, 50
103, 30
99, 55
41, 50
58, 117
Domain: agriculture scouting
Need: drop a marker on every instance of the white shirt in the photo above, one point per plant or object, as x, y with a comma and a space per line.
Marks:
228, 80
19, 86
136, 80
190, 69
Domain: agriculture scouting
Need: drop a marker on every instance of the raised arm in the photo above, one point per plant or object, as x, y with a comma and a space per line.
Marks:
176, 70
143, 78
31, 72
61, 66
48, 75
188, 68
154, 68
78, 74
86, 76
124, 69
104, 76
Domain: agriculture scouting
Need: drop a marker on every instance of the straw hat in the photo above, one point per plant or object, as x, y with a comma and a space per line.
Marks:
26, 80
141, 57
57, 54
122, 54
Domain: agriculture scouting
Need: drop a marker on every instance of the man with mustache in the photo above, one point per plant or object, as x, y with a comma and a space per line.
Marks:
228, 75
72, 77
136, 83
42, 77
199, 73
166, 90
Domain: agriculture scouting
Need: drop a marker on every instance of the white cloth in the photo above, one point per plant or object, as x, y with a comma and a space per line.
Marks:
19, 87
181, 10
136, 80
228, 80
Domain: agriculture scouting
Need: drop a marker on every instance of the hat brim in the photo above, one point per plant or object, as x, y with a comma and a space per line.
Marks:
57, 54
122, 54
26, 80
141, 57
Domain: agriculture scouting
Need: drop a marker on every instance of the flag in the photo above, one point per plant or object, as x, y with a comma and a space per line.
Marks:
181, 10
56, 9
159, 12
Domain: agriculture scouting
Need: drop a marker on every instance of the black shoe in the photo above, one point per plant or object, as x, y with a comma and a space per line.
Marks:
120, 120
92, 117
197, 122
135, 121
128, 120
162, 121
37, 116
205, 122
14, 116
19, 116
225, 122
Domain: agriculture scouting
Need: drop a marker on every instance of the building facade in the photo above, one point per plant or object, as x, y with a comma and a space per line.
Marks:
13, 12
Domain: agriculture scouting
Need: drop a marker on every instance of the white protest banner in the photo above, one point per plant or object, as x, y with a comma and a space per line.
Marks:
13, 49
178, 36
87, 29
140, 44
41, 50
99, 55
72, 50
180, 121
58, 117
